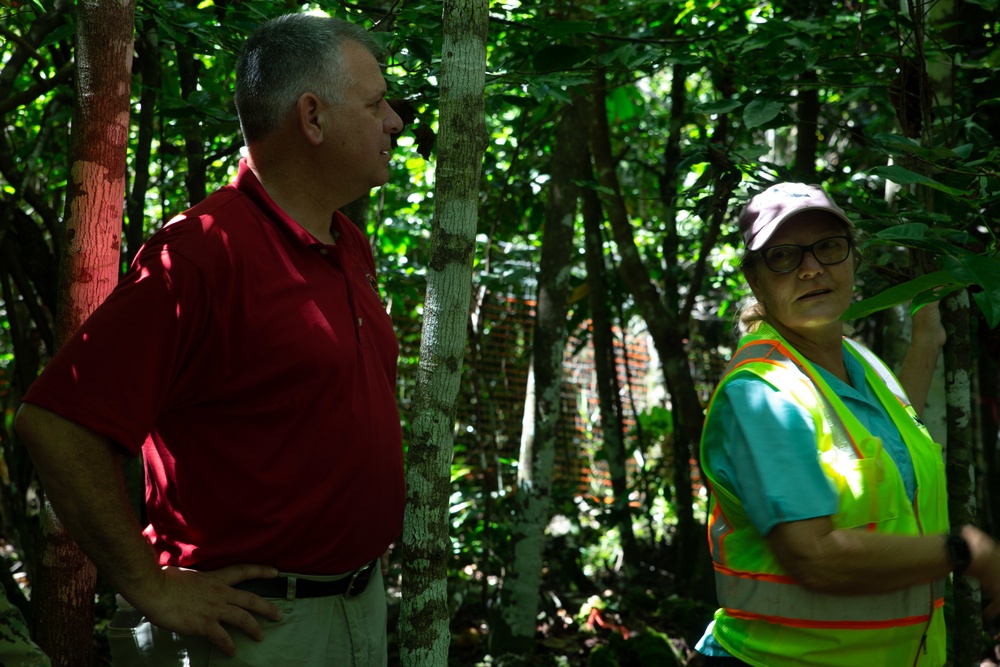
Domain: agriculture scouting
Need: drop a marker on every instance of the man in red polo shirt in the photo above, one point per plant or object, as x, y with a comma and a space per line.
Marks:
248, 356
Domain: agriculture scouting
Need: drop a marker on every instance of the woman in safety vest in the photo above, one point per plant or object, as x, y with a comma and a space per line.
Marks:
828, 519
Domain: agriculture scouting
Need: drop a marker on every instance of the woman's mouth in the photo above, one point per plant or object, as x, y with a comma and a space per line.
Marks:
814, 293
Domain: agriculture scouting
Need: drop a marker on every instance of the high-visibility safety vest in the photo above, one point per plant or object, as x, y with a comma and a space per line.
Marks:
766, 617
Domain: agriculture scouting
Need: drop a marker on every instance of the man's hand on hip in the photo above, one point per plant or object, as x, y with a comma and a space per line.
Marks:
205, 604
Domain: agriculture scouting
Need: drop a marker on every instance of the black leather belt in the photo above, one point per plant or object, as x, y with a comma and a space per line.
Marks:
278, 587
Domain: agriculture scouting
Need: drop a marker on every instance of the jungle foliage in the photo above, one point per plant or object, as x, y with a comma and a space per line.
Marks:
691, 105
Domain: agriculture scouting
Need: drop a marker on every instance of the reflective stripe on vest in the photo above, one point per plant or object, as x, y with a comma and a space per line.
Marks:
879, 367
780, 599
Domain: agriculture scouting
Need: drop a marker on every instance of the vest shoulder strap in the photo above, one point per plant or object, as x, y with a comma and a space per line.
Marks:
881, 369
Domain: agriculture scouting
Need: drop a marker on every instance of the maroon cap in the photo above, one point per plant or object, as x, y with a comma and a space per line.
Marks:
765, 212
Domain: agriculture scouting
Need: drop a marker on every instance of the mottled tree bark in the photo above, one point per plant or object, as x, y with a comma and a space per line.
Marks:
63, 597
424, 634
606, 371
513, 630
965, 626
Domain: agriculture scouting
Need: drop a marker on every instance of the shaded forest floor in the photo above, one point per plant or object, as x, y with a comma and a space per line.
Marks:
607, 621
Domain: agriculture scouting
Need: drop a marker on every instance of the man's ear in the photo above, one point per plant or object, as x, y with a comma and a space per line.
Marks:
310, 121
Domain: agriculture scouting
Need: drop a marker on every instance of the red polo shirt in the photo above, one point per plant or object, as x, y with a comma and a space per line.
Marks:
255, 369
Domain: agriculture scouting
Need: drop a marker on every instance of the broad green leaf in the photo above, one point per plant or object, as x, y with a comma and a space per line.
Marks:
899, 294
717, 106
931, 245
964, 151
984, 272
989, 306
898, 142
681, 59
751, 153
911, 231
621, 105
59, 34
898, 174
761, 111
975, 270
922, 300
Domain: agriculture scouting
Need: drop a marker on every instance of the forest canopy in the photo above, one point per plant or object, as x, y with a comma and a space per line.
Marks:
660, 118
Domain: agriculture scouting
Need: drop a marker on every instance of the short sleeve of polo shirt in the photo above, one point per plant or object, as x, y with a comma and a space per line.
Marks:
120, 368
763, 447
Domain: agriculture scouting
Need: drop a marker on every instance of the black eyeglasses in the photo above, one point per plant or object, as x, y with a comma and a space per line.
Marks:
788, 257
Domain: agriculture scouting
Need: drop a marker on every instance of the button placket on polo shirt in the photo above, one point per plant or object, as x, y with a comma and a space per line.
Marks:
334, 255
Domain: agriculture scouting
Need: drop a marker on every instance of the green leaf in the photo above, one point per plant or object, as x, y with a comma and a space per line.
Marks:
717, 106
761, 111
983, 271
922, 300
681, 59
621, 105
989, 306
964, 151
898, 143
898, 174
898, 294
910, 231
64, 31
751, 153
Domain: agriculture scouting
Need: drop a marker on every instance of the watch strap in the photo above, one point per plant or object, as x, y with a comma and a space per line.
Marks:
958, 553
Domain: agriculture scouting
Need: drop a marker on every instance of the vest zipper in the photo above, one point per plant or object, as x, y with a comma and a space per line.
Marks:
930, 615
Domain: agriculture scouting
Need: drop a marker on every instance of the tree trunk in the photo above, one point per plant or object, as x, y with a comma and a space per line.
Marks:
668, 325
195, 177
514, 629
148, 50
63, 600
989, 400
424, 634
965, 628
606, 371
806, 141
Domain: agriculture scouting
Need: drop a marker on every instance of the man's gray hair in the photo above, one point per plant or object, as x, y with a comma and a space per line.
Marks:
287, 57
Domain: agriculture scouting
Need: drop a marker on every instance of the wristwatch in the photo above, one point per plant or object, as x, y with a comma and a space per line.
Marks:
958, 553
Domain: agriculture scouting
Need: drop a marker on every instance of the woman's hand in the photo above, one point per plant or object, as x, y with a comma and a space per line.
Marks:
926, 341
928, 330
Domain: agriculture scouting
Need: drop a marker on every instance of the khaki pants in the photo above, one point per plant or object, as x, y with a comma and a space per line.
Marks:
328, 631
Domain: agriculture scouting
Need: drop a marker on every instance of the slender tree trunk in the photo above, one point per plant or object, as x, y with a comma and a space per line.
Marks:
806, 141
989, 402
148, 50
195, 177
668, 325
966, 627
65, 583
514, 629
424, 634
606, 370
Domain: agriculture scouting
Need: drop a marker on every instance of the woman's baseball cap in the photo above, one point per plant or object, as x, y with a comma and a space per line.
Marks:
762, 216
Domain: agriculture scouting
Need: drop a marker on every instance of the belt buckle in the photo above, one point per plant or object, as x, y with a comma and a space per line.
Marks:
350, 584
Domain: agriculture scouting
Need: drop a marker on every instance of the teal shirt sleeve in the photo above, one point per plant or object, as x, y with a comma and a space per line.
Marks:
762, 446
